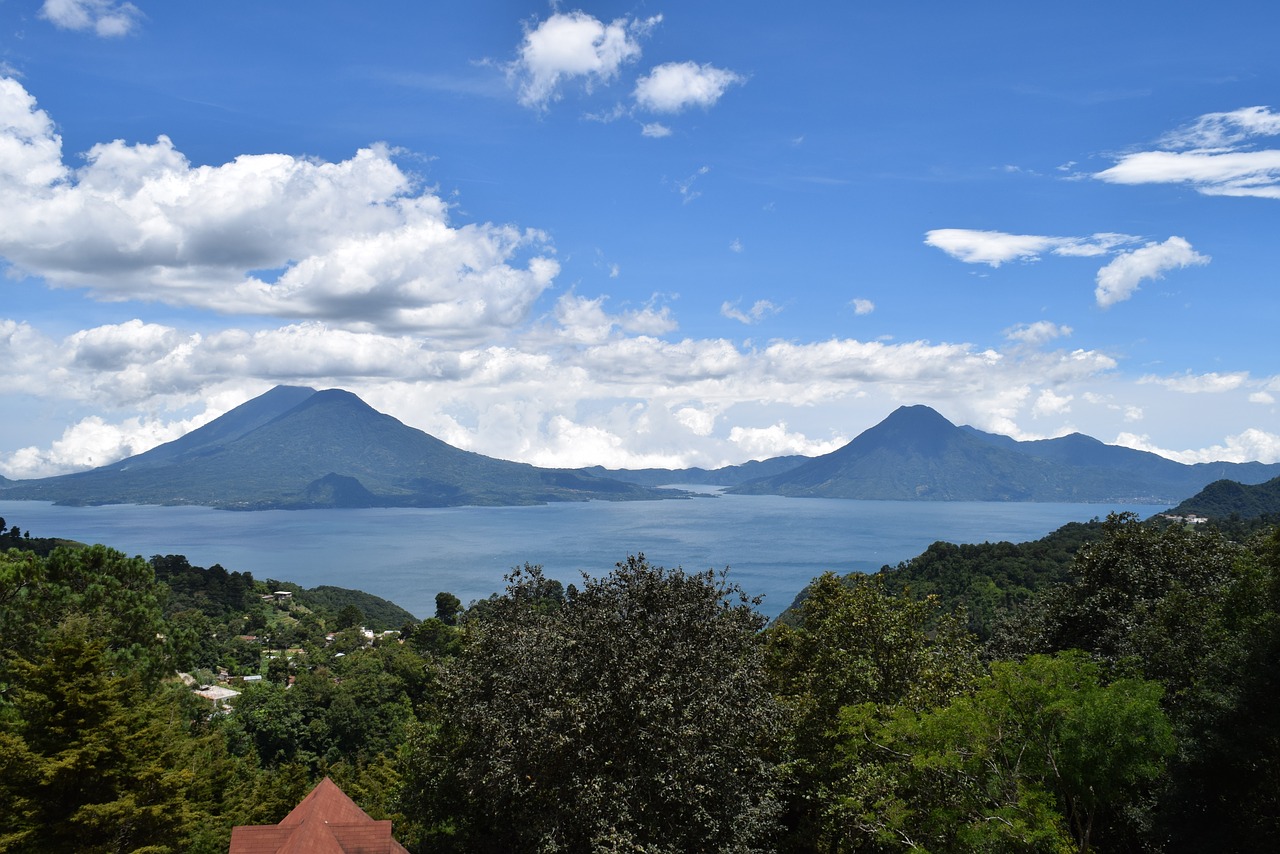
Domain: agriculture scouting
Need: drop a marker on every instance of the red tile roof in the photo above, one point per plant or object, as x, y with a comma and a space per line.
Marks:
326, 822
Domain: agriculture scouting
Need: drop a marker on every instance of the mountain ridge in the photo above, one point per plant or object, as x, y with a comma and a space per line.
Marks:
297, 448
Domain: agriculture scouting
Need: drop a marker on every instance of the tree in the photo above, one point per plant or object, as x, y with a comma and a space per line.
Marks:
350, 617
448, 607
632, 716
853, 643
88, 760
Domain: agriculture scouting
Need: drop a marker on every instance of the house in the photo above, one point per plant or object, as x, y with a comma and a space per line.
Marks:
217, 695
326, 822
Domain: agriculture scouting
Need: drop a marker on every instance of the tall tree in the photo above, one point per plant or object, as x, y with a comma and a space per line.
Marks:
634, 716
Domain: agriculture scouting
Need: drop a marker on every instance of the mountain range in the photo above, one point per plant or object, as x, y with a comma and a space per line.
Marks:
299, 448
916, 454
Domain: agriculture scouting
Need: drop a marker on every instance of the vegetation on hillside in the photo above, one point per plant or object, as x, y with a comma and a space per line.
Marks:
1116, 694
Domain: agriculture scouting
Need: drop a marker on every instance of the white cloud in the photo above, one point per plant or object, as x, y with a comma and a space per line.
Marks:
1251, 445
685, 187
735, 245
758, 311
570, 444
675, 86
1119, 279
585, 321
1262, 397
92, 442
1213, 155
1232, 173
574, 45
1116, 281
355, 243
760, 443
1210, 383
1219, 130
655, 130
1034, 334
1049, 403
862, 306
106, 18
699, 421
997, 247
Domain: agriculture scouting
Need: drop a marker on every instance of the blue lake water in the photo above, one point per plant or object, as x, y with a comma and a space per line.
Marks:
773, 546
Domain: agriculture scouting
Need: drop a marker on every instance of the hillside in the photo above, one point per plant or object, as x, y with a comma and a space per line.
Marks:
297, 448
1226, 498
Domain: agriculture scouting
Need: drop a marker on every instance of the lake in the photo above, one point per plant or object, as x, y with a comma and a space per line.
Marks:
773, 545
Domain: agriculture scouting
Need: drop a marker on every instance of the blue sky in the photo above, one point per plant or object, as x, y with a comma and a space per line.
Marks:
640, 234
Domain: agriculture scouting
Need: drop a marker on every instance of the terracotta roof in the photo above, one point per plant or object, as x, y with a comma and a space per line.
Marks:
326, 822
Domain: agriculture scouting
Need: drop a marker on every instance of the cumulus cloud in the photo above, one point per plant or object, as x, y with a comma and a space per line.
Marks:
997, 247
574, 46
758, 311
862, 306
1214, 155
1049, 403
106, 18
585, 321
676, 86
1119, 279
355, 243
92, 442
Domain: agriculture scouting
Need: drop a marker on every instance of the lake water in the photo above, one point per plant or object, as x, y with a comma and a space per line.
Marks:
773, 546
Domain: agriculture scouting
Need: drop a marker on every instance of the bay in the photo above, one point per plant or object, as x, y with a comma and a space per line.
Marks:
773, 546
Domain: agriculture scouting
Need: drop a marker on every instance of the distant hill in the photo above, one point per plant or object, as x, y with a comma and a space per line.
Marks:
917, 454
296, 448
1225, 498
724, 476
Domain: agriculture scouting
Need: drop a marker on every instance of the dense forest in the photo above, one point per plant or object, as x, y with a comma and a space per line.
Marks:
1108, 688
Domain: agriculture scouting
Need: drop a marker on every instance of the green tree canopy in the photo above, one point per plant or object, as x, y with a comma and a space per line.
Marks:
634, 716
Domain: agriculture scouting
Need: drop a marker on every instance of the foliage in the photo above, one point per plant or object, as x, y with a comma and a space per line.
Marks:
1028, 761
632, 717
213, 591
854, 644
89, 760
1133, 601
991, 579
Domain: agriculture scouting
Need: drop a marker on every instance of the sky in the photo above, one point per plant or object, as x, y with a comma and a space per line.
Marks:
641, 234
